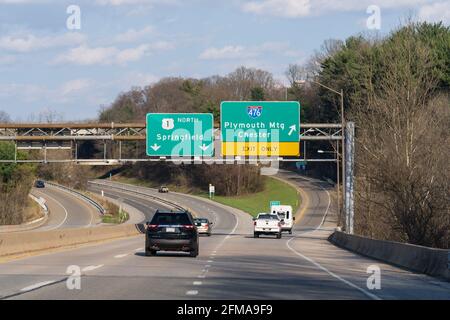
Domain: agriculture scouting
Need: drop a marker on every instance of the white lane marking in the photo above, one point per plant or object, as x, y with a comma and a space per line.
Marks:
197, 283
208, 266
38, 285
192, 293
119, 256
65, 210
367, 293
92, 268
210, 261
202, 276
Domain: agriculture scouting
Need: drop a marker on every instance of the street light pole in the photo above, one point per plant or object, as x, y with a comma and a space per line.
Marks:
338, 202
341, 95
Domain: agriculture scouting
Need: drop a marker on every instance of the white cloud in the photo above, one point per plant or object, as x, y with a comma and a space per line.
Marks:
74, 86
435, 12
286, 8
134, 2
7, 59
30, 42
231, 52
137, 79
25, 92
134, 35
302, 8
227, 52
133, 54
84, 55
22, 1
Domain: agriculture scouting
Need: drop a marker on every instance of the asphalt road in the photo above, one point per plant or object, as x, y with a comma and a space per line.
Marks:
231, 265
66, 210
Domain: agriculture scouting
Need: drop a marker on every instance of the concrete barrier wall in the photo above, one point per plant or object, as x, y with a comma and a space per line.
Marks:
25, 242
434, 262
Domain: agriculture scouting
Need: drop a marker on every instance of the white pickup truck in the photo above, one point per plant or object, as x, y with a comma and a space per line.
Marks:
267, 224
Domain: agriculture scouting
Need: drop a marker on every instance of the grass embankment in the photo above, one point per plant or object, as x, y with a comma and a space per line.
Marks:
114, 214
275, 190
32, 211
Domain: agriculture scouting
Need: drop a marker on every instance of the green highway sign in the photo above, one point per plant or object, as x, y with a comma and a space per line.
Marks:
256, 128
274, 203
180, 134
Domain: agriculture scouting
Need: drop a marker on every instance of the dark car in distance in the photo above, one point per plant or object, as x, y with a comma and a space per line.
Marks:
39, 184
171, 231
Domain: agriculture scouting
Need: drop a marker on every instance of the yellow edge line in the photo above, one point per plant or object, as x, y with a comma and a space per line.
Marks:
304, 199
305, 205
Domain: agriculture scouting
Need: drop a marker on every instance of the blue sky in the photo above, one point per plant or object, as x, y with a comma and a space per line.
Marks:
124, 43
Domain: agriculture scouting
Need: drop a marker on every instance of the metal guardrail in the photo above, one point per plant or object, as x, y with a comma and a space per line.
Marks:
40, 201
80, 195
134, 189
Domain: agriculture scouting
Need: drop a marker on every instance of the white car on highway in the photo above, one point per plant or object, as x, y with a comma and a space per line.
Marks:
286, 217
267, 224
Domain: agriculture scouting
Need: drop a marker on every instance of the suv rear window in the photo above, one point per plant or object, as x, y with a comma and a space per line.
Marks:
171, 218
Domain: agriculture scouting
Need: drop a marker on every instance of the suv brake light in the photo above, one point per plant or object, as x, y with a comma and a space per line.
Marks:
188, 226
152, 226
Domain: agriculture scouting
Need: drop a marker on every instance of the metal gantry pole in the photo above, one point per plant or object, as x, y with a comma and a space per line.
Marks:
338, 211
349, 190
343, 149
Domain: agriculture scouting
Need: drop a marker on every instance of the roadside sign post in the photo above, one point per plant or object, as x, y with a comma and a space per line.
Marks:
260, 128
212, 191
180, 134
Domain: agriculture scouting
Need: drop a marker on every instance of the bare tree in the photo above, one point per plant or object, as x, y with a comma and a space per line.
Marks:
4, 117
403, 178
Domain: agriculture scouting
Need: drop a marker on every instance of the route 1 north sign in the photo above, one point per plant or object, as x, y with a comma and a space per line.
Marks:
180, 134
260, 128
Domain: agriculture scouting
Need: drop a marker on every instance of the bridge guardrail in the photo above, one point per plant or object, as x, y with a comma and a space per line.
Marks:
431, 261
80, 195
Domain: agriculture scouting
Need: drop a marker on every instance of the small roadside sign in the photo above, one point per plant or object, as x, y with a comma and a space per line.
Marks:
212, 191
275, 203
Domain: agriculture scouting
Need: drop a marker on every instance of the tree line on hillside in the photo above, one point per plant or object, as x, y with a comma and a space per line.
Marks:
397, 92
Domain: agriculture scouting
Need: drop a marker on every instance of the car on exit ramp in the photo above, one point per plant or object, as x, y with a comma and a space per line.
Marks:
39, 184
171, 231
267, 224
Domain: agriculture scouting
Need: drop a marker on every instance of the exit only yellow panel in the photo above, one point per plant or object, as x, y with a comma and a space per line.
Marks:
260, 149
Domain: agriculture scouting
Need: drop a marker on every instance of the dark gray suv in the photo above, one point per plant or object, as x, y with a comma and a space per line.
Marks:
171, 231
